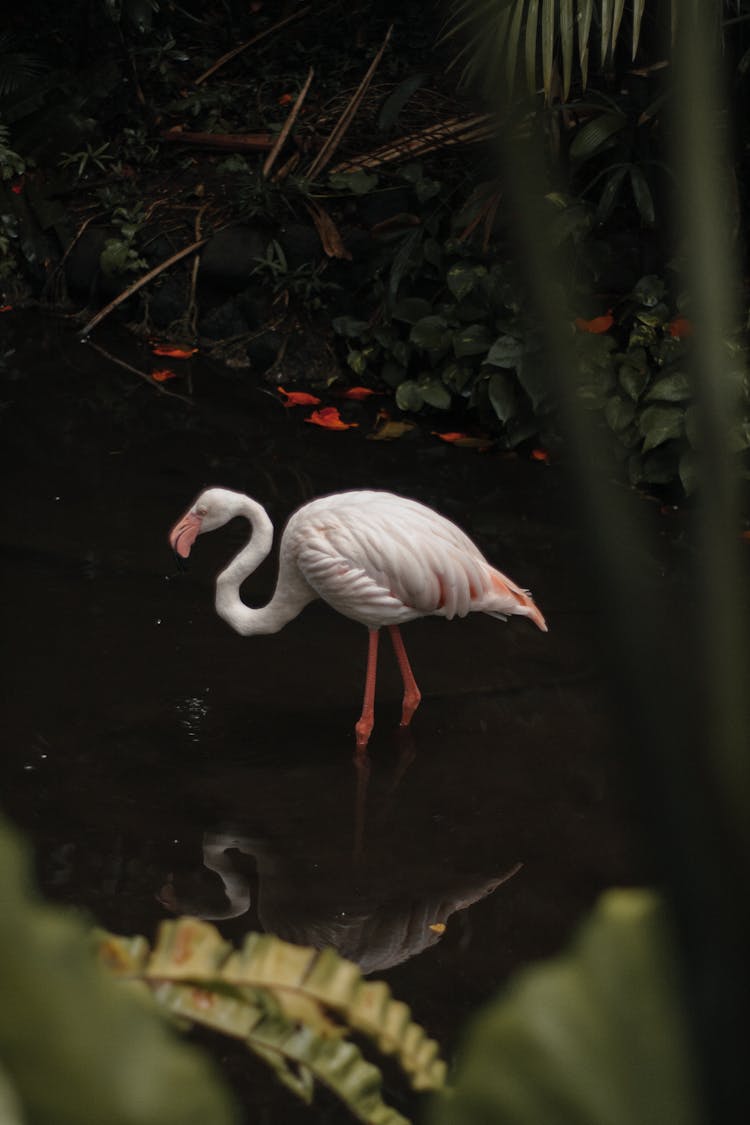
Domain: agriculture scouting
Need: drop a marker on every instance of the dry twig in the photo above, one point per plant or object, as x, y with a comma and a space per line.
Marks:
452, 131
287, 128
249, 43
141, 374
233, 142
140, 283
342, 125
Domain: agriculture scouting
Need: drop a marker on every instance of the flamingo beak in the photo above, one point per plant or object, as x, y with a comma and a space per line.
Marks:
183, 534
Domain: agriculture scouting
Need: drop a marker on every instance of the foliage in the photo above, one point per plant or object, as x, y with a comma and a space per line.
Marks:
597, 1034
74, 1047
11, 164
290, 1005
499, 31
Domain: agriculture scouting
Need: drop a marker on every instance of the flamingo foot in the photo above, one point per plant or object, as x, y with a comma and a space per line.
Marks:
412, 694
363, 728
412, 699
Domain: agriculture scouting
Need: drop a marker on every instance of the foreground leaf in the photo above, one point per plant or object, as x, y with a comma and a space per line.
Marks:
594, 1036
291, 1004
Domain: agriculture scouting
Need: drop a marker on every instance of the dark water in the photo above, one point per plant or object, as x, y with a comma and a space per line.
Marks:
140, 730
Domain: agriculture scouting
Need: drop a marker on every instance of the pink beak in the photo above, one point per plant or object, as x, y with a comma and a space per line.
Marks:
183, 534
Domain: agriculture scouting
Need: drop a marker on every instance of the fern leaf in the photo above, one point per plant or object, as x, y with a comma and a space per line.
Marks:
532, 20
268, 993
549, 8
585, 13
566, 44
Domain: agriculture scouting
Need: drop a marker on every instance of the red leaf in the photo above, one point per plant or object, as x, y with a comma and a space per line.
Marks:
286, 99
464, 440
358, 393
598, 325
298, 398
6, 308
163, 374
680, 328
540, 455
17, 187
330, 419
173, 351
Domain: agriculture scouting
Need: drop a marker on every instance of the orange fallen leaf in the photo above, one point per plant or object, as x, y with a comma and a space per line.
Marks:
746, 536
173, 351
330, 419
163, 374
680, 328
357, 393
464, 440
438, 927
6, 308
598, 325
286, 99
298, 398
17, 188
540, 455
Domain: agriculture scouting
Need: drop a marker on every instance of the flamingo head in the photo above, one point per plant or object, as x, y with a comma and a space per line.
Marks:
213, 508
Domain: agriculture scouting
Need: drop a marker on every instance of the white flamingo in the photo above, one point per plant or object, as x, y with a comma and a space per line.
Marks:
378, 558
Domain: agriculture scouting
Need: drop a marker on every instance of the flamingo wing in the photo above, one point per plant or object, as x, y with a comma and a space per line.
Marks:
375, 557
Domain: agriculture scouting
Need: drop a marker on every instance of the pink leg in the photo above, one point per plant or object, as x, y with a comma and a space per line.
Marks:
412, 694
363, 729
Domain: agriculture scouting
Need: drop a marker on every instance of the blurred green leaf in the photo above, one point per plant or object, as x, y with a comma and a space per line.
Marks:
592, 136
502, 395
412, 309
431, 332
619, 413
409, 396
475, 339
659, 424
505, 352
594, 1036
671, 388
434, 393
397, 99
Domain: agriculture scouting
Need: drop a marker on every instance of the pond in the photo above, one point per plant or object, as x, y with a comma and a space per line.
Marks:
157, 761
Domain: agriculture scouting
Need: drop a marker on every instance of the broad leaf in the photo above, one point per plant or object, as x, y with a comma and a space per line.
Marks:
595, 1035
505, 352
671, 388
659, 424
594, 135
619, 413
396, 101
475, 339
431, 332
409, 396
502, 395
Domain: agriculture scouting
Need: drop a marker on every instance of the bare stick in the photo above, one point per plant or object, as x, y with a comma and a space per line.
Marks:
249, 43
444, 133
141, 374
233, 142
340, 129
193, 305
271, 158
140, 283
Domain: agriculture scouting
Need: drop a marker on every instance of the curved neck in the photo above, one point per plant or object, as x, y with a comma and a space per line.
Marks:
292, 592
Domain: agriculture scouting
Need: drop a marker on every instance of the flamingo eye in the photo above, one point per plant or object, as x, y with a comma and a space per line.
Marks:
201, 511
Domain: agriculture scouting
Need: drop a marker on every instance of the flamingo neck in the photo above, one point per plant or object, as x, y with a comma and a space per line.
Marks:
291, 593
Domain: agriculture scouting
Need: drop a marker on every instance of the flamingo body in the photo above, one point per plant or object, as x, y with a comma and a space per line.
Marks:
377, 558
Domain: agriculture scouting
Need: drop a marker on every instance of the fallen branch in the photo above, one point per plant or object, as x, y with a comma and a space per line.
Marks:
249, 43
287, 128
140, 283
233, 142
141, 374
340, 129
452, 131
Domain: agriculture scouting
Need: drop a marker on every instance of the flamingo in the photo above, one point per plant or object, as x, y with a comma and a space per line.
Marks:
377, 558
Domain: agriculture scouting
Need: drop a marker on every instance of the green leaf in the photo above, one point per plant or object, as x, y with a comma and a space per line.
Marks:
348, 327
549, 12
457, 376
426, 189
596, 1035
592, 136
693, 427
359, 183
585, 13
357, 361
532, 19
688, 470
505, 352
634, 380
619, 413
638, 8
76, 1047
606, 18
434, 393
644, 200
431, 332
475, 339
616, 21
411, 309
658, 424
409, 396
396, 101
392, 373
609, 195
566, 44
461, 279
671, 388
502, 395
404, 257
535, 380
649, 290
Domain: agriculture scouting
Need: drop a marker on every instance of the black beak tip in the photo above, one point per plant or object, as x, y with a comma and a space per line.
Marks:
180, 563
